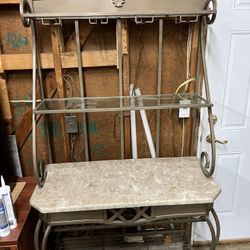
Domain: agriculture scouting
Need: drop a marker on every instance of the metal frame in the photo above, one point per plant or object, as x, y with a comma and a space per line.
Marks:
84, 116
207, 167
61, 222
204, 16
89, 9
181, 213
159, 85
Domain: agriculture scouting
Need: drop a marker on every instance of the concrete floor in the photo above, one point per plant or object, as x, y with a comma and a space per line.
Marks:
236, 246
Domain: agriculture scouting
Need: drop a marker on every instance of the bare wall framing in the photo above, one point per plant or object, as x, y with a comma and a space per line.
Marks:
100, 73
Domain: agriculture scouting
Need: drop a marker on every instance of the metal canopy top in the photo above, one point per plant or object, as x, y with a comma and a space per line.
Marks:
115, 8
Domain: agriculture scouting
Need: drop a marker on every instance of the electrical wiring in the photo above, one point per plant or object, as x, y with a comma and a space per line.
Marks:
70, 84
184, 84
68, 79
74, 157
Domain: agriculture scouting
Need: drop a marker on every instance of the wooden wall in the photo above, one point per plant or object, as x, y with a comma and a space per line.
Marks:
101, 79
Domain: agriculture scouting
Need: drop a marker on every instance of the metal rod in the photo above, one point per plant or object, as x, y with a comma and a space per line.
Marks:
211, 228
40, 77
159, 86
133, 124
197, 91
120, 64
45, 237
24, 101
198, 63
84, 116
34, 146
217, 223
36, 234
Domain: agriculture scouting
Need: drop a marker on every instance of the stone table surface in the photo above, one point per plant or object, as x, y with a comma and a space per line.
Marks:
112, 184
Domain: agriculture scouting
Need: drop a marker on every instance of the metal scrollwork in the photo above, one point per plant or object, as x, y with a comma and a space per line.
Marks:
211, 5
207, 165
118, 3
25, 8
205, 161
41, 173
214, 233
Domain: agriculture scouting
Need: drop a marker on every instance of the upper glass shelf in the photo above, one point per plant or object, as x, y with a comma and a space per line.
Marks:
125, 103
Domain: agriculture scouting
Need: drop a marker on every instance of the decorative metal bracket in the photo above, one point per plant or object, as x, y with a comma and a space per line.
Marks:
211, 5
143, 20
187, 19
54, 22
118, 3
24, 8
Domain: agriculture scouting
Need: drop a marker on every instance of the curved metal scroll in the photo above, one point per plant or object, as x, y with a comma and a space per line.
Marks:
215, 234
45, 237
207, 166
211, 17
25, 8
36, 234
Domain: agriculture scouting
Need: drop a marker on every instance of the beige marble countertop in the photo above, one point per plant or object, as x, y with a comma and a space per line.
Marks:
100, 185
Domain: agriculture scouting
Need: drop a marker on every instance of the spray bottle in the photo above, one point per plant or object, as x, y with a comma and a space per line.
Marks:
8, 205
4, 226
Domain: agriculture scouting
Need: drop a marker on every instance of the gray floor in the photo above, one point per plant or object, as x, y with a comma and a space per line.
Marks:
242, 246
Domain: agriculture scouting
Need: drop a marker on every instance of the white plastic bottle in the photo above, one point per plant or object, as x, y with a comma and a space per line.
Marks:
4, 226
8, 205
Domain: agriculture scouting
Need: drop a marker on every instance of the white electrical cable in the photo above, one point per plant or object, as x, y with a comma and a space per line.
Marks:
146, 125
133, 124
71, 85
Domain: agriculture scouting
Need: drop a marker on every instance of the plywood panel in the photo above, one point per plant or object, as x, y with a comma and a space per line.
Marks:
103, 128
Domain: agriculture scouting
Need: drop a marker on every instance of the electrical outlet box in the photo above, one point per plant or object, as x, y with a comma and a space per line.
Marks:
184, 112
71, 124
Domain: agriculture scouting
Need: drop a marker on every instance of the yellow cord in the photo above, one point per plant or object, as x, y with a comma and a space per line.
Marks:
186, 83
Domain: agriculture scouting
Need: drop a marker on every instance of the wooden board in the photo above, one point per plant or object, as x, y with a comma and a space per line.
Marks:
68, 59
17, 190
9, 1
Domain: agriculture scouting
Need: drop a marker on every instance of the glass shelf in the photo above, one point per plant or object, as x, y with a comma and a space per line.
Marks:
125, 103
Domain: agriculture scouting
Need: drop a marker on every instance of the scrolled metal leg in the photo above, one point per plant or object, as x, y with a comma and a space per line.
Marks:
45, 237
217, 223
211, 228
36, 235
215, 235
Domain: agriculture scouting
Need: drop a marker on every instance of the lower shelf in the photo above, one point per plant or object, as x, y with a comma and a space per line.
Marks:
125, 103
